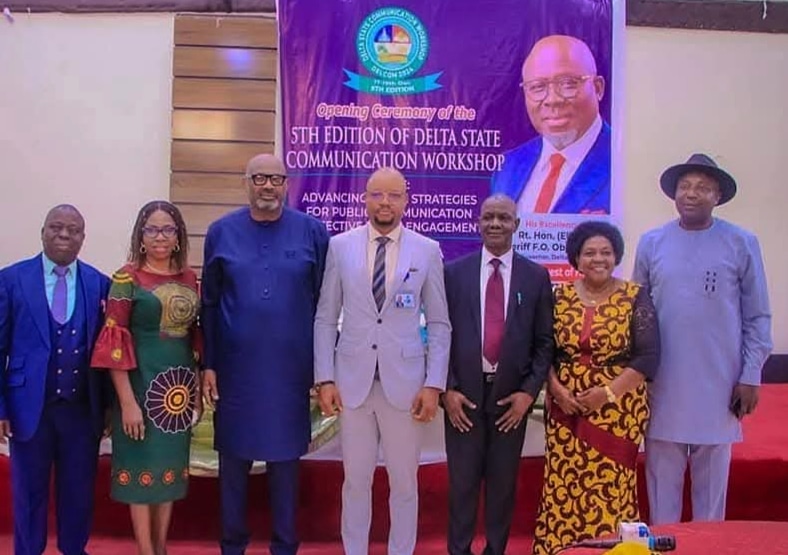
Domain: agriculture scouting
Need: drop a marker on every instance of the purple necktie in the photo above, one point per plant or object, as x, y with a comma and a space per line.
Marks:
60, 295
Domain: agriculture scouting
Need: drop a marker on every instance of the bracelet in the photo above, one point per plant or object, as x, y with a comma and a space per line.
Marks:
611, 397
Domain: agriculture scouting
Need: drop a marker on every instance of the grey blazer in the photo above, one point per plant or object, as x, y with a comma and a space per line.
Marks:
390, 338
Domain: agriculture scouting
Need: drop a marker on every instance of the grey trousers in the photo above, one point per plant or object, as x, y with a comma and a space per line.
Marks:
666, 464
376, 423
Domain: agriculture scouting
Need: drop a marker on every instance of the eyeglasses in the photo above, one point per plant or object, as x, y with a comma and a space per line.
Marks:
566, 86
152, 231
378, 196
260, 179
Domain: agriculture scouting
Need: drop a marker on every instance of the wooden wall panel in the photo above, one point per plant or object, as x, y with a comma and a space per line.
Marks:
196, 244
207, 156
224, 94
200, 216
207, 188
248, 32
234, 63
224, 97
223, 125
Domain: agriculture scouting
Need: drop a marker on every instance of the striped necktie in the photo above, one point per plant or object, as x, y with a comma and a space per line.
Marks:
379, 273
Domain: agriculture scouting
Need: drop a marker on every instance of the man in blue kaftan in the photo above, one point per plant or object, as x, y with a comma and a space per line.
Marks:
707, 280
262, 273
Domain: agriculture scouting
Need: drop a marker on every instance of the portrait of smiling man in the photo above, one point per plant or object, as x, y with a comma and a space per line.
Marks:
566, 168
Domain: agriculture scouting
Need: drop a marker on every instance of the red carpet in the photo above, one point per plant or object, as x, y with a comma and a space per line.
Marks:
123, 546
757, 491
719, 538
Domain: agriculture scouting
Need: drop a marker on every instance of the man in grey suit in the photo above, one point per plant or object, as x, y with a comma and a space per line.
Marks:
379, 375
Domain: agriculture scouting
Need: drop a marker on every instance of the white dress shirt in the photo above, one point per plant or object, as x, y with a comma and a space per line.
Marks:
573, 154
484, 275
392, 253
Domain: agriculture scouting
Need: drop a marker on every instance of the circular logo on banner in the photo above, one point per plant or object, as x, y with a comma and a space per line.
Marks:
392, 43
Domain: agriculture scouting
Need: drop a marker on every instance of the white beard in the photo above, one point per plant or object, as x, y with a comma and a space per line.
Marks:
267, 205
562, 140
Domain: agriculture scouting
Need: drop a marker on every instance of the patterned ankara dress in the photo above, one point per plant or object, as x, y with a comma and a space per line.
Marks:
151, 332
590, 472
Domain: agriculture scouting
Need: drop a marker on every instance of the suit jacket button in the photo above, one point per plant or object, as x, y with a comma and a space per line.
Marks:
380, 321
374, 347
59, 370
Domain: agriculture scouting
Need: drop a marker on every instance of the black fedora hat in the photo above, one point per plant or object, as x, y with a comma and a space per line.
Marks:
703, 164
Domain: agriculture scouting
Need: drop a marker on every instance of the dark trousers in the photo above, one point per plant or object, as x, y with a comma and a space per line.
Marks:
487, 455
283, 490
66, 440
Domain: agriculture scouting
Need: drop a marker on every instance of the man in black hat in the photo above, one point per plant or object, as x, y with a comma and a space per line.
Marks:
708, 284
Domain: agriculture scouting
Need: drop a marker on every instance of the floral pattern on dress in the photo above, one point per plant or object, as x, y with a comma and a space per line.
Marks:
169, 400
145, 479
124, 477
179, 308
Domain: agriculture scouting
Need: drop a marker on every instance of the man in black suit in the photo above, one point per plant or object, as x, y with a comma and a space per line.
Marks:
500, 355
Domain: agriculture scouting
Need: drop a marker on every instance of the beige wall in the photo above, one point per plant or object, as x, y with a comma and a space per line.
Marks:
85, 106
720, 93
85, 118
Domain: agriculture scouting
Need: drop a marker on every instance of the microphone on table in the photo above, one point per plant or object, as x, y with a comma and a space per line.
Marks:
633, 532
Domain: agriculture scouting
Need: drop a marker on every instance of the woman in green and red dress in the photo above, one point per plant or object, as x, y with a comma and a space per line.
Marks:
150, 344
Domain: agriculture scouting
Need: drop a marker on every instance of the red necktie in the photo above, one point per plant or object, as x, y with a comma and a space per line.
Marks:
493, 315
547, 192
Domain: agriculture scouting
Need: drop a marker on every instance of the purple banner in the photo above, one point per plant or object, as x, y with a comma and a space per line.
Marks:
440, 91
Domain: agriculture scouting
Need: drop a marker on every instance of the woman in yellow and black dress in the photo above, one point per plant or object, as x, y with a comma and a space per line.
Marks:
607, 346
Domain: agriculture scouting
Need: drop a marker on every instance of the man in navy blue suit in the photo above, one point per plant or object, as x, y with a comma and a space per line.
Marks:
501, 311
51, 404
567, 168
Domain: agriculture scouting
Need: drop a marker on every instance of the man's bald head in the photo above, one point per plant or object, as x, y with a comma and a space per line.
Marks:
388, 175
556, 51
562, 88
62, 234
265, 163
66, 208
503, 201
